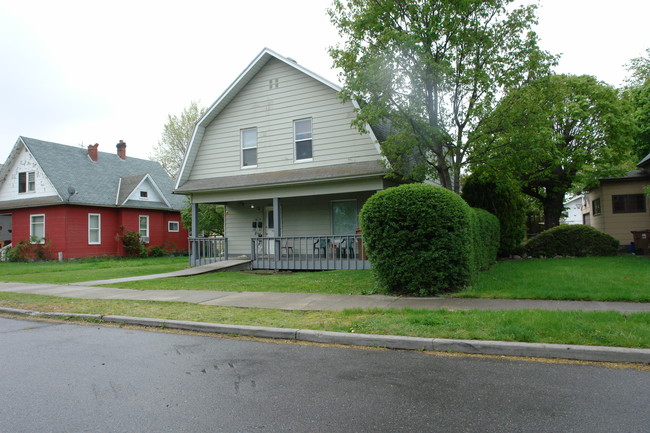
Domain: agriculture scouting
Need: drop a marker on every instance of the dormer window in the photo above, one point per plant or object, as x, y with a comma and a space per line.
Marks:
26, 181
144, 195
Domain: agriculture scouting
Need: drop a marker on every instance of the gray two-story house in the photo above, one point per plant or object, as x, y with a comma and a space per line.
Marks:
278, 151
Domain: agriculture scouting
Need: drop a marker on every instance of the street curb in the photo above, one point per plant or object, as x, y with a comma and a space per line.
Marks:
479, 347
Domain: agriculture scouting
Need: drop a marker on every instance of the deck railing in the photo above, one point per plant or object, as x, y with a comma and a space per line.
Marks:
204, 251
309, 252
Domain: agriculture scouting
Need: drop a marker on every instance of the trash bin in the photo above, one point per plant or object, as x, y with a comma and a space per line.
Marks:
641, 241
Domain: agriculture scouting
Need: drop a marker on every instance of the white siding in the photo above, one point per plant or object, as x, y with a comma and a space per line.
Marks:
152, 194
25, 162
272, 111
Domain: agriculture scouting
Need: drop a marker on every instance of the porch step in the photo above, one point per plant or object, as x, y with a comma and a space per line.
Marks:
223, 266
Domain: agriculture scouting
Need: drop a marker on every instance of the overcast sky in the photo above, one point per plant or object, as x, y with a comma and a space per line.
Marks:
84, 72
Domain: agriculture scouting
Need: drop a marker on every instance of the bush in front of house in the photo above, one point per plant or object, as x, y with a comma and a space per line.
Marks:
32, 250
503, 200
486, 239
419, 239
572, 240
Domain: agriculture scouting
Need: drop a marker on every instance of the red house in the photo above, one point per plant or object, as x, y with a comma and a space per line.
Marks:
79, 201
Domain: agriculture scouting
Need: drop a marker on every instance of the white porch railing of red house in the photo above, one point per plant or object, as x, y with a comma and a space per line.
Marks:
326, 252
203, 251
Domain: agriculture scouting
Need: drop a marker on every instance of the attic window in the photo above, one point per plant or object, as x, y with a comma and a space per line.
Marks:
144, 194
273, 83
26, 181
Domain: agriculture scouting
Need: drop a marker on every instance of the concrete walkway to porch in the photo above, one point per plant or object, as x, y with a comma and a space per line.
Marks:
225, 265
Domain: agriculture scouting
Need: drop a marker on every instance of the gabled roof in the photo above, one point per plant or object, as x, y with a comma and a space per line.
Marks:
70, 169
645, 161
231, 92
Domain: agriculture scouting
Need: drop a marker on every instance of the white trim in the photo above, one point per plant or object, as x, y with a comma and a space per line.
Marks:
169, 228
117, 197
99, 229
137, 188
148, 233
31, 227
241, 147
40, 168
295, 141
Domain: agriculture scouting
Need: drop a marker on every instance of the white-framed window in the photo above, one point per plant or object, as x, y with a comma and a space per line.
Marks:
26, 181
37, 229
173, 226
302, 135
144, 228
249, 148
344, 217
94, 229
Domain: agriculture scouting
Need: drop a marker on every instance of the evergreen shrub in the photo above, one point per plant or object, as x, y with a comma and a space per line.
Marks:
486, 239
572, 240
418, 239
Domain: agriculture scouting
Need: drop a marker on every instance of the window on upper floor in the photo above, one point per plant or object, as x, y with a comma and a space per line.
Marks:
249, 148
144, 195
628, 203
26, 181
303, 139
94, 229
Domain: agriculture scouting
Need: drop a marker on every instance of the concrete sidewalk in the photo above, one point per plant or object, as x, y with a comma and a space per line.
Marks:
306, 301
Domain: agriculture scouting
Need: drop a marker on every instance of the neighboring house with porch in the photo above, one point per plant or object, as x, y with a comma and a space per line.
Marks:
619, 205
277, 150
78, 200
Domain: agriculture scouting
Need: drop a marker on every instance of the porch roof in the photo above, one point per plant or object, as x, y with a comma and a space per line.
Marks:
305, 175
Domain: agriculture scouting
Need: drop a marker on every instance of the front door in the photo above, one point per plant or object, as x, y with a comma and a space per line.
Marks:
269, 230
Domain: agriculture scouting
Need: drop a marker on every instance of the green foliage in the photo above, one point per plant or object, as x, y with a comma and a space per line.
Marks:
176, 136
418, 239
29, 251
555, 133
431, 71
132, 245
156, 251
572, 240
638, 92
210, 218
485, 239
503, 200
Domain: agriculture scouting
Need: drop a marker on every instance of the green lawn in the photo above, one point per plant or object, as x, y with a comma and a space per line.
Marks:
621, 278
575, 327
74, 271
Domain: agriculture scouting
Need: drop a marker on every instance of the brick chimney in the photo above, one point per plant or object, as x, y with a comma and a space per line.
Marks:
121, 149
92, 151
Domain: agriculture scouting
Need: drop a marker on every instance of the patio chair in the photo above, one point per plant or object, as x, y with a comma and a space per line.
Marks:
287, 247
347, 248
320, 244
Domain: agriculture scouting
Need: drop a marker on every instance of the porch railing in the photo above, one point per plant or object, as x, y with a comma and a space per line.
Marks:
204, 251
309, 252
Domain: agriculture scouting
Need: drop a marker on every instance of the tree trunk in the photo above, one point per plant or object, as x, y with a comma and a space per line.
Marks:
553, 209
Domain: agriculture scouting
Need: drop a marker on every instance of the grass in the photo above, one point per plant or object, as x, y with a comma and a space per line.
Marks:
620, 278
576, 327
330, 282
74, 271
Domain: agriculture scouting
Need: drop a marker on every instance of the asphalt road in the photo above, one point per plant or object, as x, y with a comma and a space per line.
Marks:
58, 377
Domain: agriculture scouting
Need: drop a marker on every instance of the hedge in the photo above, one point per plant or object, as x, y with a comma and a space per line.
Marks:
486, 239
572, 240
420, 239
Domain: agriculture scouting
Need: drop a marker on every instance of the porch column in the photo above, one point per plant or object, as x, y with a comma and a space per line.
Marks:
194, 254
278, 228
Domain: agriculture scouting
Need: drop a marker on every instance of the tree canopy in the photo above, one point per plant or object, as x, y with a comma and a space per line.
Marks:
555, 132
176, 136
429, 71
638, 91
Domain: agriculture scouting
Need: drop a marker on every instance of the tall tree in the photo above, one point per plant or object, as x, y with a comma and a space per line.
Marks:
176, 136
555, 132
429, 70
638, 91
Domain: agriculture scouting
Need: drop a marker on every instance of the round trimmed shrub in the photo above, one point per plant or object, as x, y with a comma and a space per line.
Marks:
572, 240
418, 239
